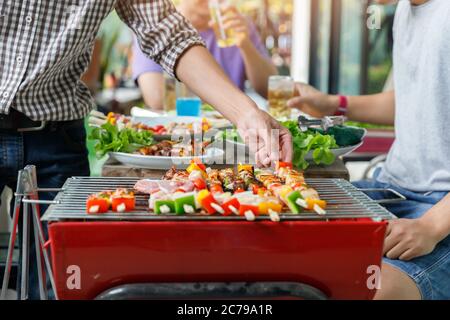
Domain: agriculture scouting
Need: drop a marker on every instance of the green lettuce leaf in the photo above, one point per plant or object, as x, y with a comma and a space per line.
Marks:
110, 139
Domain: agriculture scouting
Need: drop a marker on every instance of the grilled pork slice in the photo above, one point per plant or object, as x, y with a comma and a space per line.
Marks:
150, 186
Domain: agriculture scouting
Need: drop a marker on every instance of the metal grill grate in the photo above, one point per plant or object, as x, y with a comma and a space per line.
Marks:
344, 201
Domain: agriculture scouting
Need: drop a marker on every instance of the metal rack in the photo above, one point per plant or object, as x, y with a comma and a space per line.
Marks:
344, 202
27, 204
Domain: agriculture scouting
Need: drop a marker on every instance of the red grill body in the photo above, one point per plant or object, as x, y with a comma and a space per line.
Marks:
332, 256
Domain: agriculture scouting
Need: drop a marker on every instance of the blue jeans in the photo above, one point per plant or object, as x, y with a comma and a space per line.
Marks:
431, 273
57, 152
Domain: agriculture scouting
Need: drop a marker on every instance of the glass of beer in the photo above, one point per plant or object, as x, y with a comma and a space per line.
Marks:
225, 37
170, 95
281, 90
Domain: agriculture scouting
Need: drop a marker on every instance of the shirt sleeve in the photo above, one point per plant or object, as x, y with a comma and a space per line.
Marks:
163, 33
141, 64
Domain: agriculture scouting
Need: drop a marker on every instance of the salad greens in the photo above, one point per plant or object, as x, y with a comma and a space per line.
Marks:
110, 139
304, 142
320, 144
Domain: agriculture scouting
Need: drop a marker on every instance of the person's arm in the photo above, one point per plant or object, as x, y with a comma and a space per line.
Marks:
170, 40
91, 75
376, 109
407, 239
149, 77
258, 66
152, 89
214, 87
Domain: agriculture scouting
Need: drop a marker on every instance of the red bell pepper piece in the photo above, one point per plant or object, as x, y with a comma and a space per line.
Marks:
231, 207
258, 190
122, 200
128, 202
101, 203
200, 184
199, 163
207, 201
281, 164
216, 188
247, 207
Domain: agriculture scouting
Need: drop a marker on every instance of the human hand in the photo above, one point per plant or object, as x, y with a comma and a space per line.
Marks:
266, 137
407, 239
313, 102
234, 20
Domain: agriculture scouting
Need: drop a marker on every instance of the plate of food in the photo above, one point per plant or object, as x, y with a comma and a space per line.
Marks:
210, 156
138, 148
163, 127
313, 146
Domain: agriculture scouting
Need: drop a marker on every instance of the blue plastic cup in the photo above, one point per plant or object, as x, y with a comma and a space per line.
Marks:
189, 107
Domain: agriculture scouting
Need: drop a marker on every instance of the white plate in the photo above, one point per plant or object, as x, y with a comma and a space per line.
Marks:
242, 149
163, 163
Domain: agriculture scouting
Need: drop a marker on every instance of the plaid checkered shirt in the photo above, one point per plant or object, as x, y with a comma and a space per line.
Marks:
46, 45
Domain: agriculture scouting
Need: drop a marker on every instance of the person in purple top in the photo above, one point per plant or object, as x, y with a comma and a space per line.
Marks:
248, 60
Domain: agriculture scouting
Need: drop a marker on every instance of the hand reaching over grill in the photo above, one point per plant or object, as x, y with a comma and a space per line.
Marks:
265, 136
214, 87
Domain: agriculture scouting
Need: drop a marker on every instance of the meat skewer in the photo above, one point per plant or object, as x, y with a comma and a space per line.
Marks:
230, 181
305, 197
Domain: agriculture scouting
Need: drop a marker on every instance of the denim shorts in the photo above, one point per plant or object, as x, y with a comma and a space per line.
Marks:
431, 273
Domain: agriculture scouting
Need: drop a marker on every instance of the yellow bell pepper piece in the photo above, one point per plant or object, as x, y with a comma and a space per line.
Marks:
264, 207
245, 167
202, 194
312, 202
194, 167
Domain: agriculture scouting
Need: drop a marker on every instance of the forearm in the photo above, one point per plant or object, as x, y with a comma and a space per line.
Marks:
151, 85
376, 109
438, 219
257, 68
201, 73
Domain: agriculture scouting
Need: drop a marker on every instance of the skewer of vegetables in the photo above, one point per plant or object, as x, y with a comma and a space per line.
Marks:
123, 200
98, 203
301, 195
120, 200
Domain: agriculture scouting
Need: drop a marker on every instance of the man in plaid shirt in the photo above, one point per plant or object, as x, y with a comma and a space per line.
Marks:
45, 46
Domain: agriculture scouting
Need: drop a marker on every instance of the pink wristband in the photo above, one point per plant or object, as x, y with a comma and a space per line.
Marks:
343, 106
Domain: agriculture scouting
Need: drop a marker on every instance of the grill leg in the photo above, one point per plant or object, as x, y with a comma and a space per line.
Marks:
41, 277
12, 242
40, 242
25, 254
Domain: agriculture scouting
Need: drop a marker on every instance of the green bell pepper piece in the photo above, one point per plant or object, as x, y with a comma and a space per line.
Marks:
160, 205
291, 199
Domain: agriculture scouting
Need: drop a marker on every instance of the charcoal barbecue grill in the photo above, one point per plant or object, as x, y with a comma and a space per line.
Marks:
329, 253
141, 255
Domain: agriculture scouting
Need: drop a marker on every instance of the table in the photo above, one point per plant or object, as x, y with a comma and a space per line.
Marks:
338, 170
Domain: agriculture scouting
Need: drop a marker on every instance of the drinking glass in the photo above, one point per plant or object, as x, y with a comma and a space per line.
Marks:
281, 90
225, 37
170, 95
187, 104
